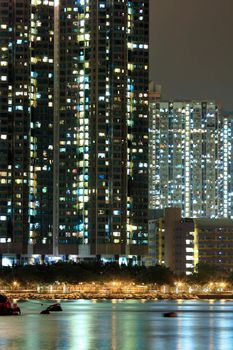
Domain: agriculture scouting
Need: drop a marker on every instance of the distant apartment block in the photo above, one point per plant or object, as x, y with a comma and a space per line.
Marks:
226, 207
190, 154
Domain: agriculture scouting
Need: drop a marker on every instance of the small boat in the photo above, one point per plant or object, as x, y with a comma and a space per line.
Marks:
45, 312
170, 314
54, 307
6, 309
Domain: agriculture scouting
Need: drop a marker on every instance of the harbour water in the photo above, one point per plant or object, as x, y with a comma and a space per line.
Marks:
120, 325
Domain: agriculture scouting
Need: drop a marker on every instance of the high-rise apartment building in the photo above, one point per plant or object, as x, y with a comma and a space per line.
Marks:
14, 124
74, 127
186, 158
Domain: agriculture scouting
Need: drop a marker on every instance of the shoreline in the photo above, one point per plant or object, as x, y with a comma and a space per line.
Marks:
23, 296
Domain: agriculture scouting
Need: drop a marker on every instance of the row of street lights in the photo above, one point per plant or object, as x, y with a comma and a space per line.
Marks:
179, 287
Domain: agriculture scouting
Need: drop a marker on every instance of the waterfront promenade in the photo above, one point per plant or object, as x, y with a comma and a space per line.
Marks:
113, 290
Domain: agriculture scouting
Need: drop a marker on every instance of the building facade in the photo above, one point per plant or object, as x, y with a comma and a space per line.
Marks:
183, 243
74, 127
186, 158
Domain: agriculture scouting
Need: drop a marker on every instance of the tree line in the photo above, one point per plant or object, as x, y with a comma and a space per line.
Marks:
98, 272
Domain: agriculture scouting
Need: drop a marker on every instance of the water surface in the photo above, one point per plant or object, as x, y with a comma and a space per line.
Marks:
120, 325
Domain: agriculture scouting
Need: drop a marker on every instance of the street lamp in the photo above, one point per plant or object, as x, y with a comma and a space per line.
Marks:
178, 285
15, 284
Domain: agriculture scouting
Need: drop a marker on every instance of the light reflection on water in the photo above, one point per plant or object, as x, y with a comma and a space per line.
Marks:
120, 325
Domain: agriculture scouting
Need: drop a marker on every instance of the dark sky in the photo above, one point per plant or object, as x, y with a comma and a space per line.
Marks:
191, 43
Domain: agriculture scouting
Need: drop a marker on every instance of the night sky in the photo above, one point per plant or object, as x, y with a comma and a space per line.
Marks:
191, 43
